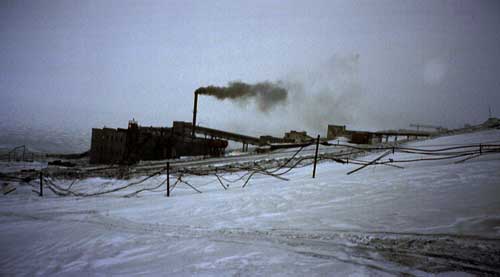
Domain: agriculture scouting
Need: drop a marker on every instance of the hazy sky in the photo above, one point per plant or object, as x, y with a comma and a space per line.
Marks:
367, 64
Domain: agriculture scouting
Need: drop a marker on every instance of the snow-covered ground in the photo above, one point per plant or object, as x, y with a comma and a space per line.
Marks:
430, 217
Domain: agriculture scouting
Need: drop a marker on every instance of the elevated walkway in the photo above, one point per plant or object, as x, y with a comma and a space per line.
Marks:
186, 127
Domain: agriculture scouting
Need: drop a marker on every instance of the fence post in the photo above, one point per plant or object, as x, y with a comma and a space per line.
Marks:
41, 183
168, 179
316, 157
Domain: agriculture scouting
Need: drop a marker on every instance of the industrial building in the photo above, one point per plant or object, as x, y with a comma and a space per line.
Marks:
149, 143
335, 131
136, 143
297, 137
366, 137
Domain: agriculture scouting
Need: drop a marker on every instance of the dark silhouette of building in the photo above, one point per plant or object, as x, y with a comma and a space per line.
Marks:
335, 131
126, 146
297, 137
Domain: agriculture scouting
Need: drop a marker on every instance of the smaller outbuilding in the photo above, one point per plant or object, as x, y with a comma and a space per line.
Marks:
297, 137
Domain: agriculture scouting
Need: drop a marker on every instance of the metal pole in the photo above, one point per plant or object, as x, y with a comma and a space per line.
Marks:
168, 179
41, 184
194, 114
316, 157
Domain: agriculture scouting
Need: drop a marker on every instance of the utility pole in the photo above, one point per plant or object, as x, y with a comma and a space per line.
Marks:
41, 184
168, 179
316, 157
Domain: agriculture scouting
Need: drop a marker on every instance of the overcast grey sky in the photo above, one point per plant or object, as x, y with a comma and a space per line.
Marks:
367, 64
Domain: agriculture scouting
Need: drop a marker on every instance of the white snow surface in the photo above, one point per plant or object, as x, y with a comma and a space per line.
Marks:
300, 227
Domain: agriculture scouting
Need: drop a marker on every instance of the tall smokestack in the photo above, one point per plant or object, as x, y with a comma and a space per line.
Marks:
194, 113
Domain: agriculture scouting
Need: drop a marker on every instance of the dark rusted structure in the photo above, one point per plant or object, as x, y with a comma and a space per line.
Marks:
359, 137
297, 137
149, 143
335, 131
186, 127
265, 140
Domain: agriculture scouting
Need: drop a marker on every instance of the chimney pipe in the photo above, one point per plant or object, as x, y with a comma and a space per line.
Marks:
194, 113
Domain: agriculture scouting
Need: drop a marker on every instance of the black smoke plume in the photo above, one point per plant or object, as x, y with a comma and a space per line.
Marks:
266, 94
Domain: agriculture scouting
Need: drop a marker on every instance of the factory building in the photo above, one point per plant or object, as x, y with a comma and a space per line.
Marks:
366, 137
297, 137
270, 139
335, 131
361, 137
149, 143
108, 145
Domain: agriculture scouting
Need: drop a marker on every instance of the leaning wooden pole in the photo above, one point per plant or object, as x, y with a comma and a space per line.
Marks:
370, 163
168, 179
316, 157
